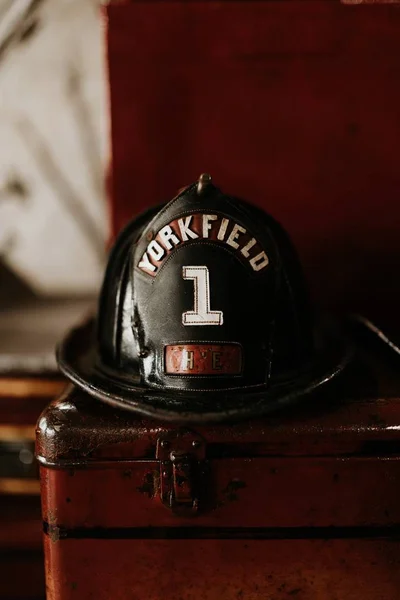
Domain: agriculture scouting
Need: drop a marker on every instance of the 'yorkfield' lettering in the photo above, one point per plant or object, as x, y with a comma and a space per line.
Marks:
203, 226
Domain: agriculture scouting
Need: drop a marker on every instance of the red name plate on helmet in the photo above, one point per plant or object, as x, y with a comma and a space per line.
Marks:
203, 359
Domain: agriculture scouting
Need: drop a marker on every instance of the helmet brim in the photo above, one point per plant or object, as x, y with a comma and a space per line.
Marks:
78, 361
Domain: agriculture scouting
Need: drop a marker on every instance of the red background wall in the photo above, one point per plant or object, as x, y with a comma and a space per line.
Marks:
294, 105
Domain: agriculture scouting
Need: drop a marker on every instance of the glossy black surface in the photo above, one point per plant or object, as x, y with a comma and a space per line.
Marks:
267, 312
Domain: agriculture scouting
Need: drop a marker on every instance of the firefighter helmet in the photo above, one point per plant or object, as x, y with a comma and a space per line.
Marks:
204, 315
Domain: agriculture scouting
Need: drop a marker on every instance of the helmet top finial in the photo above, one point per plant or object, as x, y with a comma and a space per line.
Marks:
204, 180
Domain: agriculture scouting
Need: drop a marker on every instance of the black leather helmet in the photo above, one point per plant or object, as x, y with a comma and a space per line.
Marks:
203, 316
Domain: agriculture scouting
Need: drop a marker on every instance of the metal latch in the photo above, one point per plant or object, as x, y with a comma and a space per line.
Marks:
182, 468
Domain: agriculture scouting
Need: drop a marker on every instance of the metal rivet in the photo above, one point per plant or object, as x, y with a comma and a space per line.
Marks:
143, 353
165, 444
203, 182
195, 443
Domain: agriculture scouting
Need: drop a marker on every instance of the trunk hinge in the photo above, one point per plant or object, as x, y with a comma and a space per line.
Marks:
182, 468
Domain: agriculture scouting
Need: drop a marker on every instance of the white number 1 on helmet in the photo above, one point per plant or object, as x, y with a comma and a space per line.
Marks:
201, 315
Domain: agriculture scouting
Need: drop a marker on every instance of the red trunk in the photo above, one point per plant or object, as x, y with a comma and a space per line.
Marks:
305, 504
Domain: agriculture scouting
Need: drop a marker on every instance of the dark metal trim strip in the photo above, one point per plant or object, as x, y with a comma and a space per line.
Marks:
224, 533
